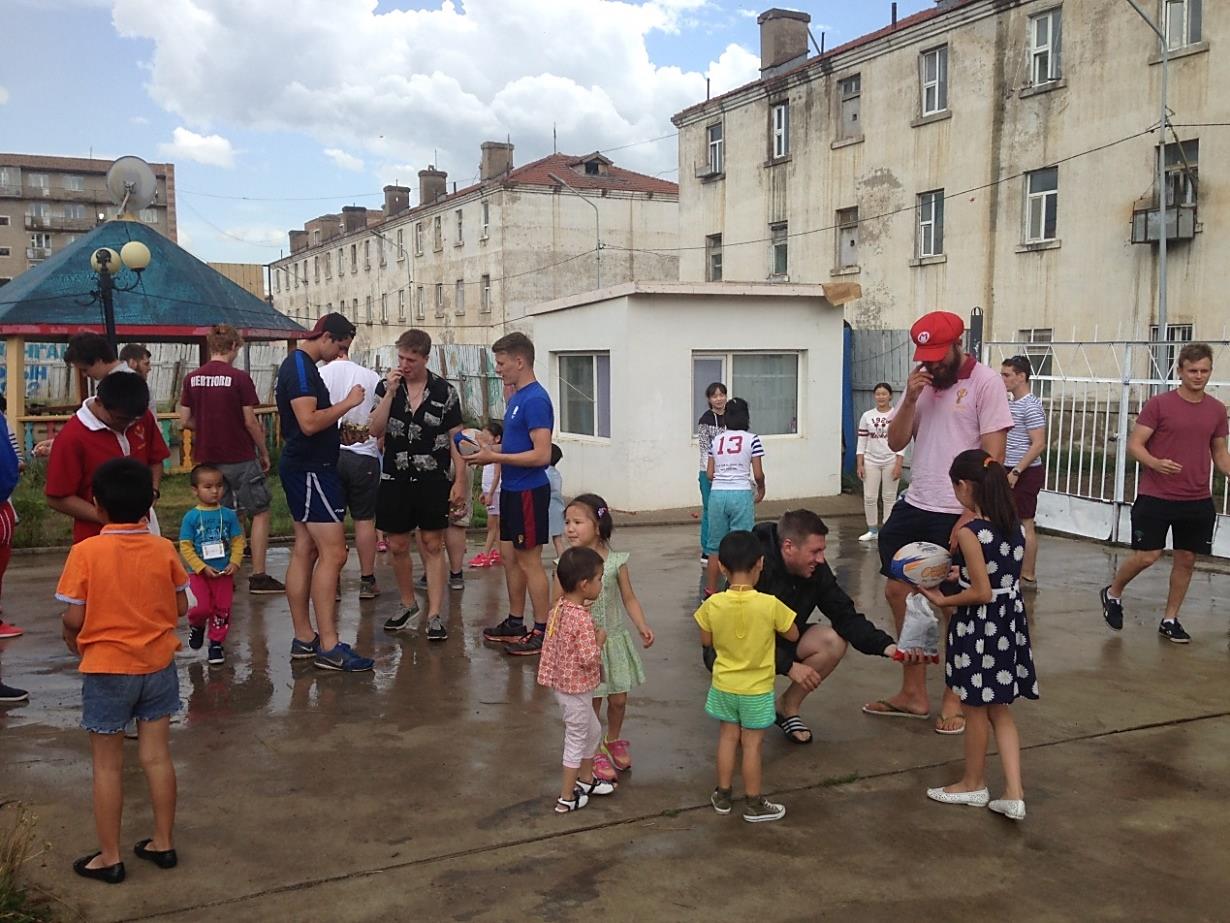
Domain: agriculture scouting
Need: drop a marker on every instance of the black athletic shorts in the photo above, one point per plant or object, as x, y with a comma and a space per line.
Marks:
403, 506
1190, 523
524, 518
908, 524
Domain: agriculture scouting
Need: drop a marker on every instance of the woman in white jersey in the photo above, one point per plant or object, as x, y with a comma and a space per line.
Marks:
711, 422
734, 463
879, 467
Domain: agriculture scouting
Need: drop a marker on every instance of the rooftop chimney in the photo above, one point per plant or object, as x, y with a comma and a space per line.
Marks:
497, 159
298, 241
396, 199
433, 184
783, 40
354, 218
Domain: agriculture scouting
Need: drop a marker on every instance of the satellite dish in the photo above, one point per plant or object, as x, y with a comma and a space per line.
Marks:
131, 183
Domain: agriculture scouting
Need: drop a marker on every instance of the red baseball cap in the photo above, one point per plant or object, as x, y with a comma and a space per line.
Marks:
334, 324
933, 334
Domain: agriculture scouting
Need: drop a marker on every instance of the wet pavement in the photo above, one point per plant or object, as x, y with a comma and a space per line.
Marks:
423, 791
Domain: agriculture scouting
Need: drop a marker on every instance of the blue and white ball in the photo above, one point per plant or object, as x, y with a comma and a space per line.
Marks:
922, 564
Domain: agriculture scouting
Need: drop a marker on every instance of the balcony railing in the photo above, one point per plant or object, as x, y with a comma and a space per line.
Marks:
10, 190
1180, 223
58, 223
38, 253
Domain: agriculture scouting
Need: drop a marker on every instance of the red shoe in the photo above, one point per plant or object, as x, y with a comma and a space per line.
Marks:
480, 560
603, 768
617, 751
495, 558
9, 630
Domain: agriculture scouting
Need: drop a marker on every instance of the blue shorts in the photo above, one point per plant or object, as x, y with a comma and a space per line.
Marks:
313, 496
728, 511
110, 700
525, 516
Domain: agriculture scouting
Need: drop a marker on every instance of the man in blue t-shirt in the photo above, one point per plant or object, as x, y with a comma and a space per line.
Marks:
525, 493
308, 470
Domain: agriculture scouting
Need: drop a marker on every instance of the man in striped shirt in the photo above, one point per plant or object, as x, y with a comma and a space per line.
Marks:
1023, 458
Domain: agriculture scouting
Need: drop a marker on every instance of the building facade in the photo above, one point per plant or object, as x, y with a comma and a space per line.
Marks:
981, 153
46, 203
469, 264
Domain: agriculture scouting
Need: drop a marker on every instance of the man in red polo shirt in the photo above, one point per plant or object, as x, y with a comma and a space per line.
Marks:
117, 422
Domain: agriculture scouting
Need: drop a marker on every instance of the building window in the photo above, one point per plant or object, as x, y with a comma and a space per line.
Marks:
1038, 351
585, 394
1041, 204
779, 130
713, 258
1182, 163
4, 221
931, 224
37, 180
847, 238
717, 153
1044, 42
354, 258
460, 238
277, 280
367, 254
1182, 22
74, 183
329, 265
384, 307
485, 211
316, 237
305, 276
439, 299
401, 250
368, 305
459, 298
484, 304
1165, 357
851, 90
75, 212
401, 305
316, 268
418, 238
341, 259
420, 306
296, 266
779, 263
769, 382
933, 69
437, 233
380, 251
5, 251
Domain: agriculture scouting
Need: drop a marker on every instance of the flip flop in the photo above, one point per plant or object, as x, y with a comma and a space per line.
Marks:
793, 725
943, 718
892, 711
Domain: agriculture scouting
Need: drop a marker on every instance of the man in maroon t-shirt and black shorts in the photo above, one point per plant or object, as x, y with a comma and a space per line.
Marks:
1176, 438
219, 404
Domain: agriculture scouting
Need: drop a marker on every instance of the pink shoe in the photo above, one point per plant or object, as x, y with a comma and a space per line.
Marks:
617, 750
480, 560
603, 768
9, 630
495, 558
382, 546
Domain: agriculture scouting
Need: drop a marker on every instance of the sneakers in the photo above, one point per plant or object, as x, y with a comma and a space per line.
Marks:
760, 809
596, 787
421, 582
456, 581
529, 646
704, 560
1112, 610
9, 694
304, 650
604, 769
495, 559
481, 560
343, 659
409, 618
870, 535
264, 585
196, 637
436, 630
9, 630
1013, 810
617, 750
382, 546
721, 800
506, 632
1171, 630
368, 588
216, 654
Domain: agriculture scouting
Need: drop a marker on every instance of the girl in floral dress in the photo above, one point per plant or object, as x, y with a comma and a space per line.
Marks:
588, 524
989, 663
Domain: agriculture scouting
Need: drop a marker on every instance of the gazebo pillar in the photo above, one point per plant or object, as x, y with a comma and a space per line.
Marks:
15, 389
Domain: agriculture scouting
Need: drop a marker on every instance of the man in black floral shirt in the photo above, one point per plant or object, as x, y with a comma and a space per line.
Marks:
418, 415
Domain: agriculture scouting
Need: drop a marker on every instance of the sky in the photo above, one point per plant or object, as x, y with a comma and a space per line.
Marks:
277, 111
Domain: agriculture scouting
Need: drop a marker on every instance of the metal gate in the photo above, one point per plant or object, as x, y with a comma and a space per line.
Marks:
1092, 393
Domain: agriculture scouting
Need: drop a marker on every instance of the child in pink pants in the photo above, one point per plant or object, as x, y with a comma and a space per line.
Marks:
211, 542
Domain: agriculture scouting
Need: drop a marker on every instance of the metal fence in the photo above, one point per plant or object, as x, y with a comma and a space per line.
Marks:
878, 355
1092, 393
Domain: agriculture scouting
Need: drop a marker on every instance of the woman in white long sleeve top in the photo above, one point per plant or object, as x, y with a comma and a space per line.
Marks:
879, 467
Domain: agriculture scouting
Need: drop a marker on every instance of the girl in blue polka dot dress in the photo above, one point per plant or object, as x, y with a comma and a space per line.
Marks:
989, 663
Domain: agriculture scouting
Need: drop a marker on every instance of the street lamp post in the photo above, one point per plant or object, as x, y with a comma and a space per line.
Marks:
597, 229
106, 263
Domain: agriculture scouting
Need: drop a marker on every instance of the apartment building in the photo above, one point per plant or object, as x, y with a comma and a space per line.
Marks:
980, 153
467, 264
46, 203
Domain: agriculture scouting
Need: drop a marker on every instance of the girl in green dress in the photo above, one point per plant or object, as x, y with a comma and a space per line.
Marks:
588, 523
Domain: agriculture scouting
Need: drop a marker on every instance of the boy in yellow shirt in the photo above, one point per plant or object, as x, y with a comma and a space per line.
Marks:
739, 624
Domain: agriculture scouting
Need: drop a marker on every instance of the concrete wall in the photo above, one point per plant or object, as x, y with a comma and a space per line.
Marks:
1090, 282
650, 460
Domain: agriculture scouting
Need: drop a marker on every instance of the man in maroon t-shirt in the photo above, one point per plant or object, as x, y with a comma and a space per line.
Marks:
1177, 437
218, 403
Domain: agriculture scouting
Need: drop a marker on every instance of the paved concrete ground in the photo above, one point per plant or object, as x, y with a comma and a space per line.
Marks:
423, 791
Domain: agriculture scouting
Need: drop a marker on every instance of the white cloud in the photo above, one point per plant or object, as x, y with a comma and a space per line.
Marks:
427, 86
344, 160
212, 150
260, 235
138, 120
4, 96
749, 14
734, 67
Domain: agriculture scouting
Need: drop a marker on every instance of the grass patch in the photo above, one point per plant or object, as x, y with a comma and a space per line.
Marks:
16, 849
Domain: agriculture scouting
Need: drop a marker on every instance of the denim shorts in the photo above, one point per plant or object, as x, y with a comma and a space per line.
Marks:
110, 700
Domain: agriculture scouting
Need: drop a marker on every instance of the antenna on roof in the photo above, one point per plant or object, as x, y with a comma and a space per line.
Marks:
554, 140
820, 46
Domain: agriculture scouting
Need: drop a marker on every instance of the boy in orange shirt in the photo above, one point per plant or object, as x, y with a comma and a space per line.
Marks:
124, 632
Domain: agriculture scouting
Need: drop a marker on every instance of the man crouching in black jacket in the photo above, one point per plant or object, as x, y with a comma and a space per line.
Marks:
797, 574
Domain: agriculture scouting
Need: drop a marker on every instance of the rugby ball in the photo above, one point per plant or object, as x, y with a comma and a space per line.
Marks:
923, 564
467, 441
